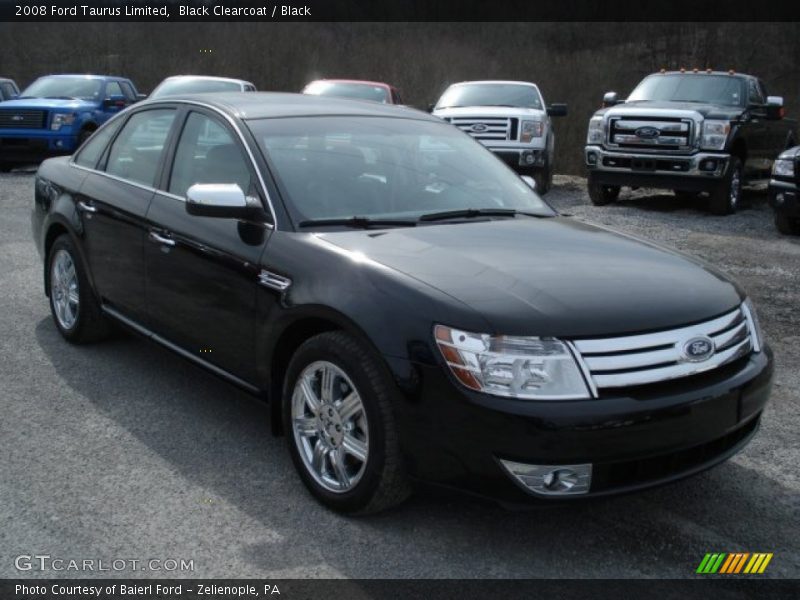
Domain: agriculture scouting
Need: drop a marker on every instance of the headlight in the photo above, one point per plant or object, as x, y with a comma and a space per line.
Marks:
62, 120
756, 333
715, 135
530, 130
597, 131
516, 367
783, 167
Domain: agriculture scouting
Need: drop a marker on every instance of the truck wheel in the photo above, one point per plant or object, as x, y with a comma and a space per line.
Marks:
338, 417
84, 135
75, 309
600, 194
544, 178
725, 198
787, 225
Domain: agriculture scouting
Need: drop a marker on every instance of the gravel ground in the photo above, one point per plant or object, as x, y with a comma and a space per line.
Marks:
123, 450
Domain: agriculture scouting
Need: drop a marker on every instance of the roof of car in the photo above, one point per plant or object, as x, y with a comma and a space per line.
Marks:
358, 81
88, 76
706, 72
264, 105
206, 77
498, 81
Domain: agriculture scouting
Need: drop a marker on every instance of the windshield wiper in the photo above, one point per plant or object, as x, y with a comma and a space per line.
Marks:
357, 222
471, 213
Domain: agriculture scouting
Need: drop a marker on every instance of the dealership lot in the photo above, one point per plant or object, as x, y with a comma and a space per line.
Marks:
125, 451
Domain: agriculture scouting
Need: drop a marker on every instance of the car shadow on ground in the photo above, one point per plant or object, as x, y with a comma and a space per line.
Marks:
218, 438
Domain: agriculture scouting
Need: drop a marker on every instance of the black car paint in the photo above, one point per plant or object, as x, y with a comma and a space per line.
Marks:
788, 186
521, 275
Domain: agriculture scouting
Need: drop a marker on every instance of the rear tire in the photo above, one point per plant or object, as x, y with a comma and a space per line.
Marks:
74, 307
601, 194
725, 199
348, 458
786, 224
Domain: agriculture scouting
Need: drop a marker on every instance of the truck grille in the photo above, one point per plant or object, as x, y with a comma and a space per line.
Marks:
651, 134
487, 128
653, 357
23, 119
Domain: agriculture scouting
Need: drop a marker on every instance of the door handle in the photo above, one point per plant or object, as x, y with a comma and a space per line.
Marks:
82, 206
154, 237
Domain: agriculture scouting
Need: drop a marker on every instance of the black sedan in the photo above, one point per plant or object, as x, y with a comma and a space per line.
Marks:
411, 309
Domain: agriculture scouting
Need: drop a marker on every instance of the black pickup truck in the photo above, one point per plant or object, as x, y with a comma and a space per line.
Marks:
688, 131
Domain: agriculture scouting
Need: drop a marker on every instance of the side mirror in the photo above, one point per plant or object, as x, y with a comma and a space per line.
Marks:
610, 99
431, 107
775, 109
140, 97
114, 102
530, 181
222, 200
557, 110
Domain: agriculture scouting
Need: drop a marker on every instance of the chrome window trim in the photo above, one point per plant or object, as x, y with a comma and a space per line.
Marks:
231, 121
115, 178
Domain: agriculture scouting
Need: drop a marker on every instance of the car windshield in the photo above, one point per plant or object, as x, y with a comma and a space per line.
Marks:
387, 168
85, 88
356, 91
195, 86
696, 87
490, 94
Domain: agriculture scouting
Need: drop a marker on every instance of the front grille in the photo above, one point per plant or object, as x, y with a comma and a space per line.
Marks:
610, 476
641, 133
647, 164
488, 128
653, 357
23, 119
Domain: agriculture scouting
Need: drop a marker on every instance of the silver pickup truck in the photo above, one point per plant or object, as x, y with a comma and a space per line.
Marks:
510, 118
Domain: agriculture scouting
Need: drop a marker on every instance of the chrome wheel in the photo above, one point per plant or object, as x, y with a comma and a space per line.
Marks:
736, 188
64, 289
330, 426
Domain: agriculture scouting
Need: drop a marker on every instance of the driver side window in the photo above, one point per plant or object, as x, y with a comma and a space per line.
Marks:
207, 153
754, 93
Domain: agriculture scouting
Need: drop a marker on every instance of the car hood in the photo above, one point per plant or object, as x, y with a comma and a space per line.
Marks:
488, 111
47, 103
687, 109
550, 277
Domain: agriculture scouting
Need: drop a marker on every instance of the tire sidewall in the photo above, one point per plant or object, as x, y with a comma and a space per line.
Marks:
326, 347
65, 243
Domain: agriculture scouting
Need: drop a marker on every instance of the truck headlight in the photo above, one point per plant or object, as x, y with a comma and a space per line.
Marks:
529, 368
715, 135
783, 167
62, 120
530, 130
597, 131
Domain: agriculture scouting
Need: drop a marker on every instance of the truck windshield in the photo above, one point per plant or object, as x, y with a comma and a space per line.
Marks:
490, 94
387, 168
195, 86
83, 88
356, 91
724, 90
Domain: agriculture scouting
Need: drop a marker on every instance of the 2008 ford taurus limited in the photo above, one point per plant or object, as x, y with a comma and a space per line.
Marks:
411, 309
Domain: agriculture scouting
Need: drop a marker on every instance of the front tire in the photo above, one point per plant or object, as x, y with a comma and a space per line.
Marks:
787, 225
725, 199
544, 178
339, 423
601, 194
76, 311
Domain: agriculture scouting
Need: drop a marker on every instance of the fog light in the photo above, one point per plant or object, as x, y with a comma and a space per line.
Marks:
529, 158
708, 165
591, 158
780, 199
59, 144
551, 480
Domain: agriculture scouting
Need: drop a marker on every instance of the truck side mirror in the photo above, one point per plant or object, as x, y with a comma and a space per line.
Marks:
775, 108
610, 99
117, 101
557, 109
140, 97
431, 106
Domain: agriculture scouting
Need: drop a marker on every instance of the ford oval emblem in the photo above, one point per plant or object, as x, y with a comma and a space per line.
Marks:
647, 133
698, 349
479, 127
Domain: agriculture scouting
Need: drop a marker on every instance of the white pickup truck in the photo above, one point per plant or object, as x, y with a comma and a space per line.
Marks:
510, 118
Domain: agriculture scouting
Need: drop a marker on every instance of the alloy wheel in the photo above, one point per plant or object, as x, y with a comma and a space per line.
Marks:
64, 289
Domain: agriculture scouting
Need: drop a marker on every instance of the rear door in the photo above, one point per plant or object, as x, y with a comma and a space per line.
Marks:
113, 202
202, 272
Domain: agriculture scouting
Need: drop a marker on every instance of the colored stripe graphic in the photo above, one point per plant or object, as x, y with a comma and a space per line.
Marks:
733, 563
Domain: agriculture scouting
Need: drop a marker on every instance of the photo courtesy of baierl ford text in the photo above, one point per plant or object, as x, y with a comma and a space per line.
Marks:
399, 300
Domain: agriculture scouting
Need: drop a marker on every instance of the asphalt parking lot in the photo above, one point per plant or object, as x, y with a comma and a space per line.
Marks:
125, 451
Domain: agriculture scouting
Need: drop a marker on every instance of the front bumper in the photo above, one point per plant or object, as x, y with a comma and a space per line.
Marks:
784, 197
523, 158
22, 145
698, 171
658, 433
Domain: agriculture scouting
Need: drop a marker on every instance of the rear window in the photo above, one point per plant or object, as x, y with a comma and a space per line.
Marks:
355, 91
195, 86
